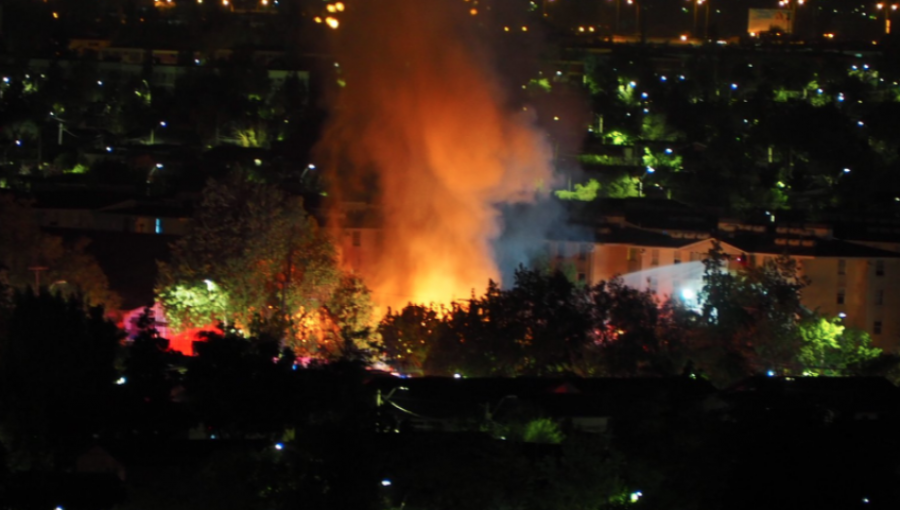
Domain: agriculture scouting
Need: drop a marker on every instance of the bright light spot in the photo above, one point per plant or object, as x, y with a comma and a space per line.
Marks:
632, 84
524, 29
681, 77
197, 61
457, 376
668, 151
55, 15
339, 6
121, 380
473, 11
650, 169
688, 294
19, 142
846, 170
506, 29
330, 8
317, 19
311, 166
555, 118
109, 149
860, 124
770, 373
6, 79
662, 78
332, 22
385, 483
865, 500
162, 123
684, 38
159, 165
842, 315
635, 496
734, 86
99, 83
279, 446
558, 73
257, 162
210, 285
644, 95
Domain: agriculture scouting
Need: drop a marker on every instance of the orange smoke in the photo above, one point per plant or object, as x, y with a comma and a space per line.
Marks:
421, 132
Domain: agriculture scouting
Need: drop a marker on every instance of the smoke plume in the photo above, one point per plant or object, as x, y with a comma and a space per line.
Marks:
422, 131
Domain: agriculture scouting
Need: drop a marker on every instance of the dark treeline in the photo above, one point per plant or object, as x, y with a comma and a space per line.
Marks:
273, 433
744, 322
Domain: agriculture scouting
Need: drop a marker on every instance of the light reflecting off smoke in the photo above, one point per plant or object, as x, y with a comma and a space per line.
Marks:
679, 280
422, 132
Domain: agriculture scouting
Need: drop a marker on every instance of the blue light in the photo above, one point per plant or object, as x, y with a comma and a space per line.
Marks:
279, 446
159, 225
770, 373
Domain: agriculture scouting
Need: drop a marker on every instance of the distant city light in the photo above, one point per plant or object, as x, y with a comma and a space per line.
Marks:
846, 170
108, 149
635, 496
332, 22
162, 123
650, 169
121, 380
457, 376
317, 19
668, 151
688, 294
99, 82
842, 315
279, 446
159, 165
339, 6
770, 373
385, 483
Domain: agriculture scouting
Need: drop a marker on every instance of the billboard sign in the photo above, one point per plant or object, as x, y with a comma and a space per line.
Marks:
764, 20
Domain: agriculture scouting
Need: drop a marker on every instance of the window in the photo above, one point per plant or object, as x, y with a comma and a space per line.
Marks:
879, 268
840, 296
583, 250
876, 328
654, 257
634, 253
879, 297
677, 257
842, 266
357, 238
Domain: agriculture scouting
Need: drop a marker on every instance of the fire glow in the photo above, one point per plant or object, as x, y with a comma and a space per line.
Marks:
423, 122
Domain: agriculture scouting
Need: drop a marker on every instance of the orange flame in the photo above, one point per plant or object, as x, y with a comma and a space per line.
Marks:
422, 121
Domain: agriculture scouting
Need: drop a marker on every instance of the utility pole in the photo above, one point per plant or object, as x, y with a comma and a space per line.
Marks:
37, 277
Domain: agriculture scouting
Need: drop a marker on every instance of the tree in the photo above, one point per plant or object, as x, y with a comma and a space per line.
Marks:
253, 252
830, 348
70, 269
56, 378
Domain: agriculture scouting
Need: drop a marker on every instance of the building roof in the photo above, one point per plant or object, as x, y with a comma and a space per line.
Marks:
812, 247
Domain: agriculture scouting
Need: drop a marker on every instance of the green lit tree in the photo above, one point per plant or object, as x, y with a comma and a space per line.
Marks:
253, 252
